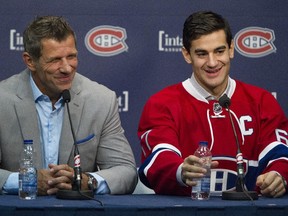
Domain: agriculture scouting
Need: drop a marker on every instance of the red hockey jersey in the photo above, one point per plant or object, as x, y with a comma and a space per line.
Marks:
177, 118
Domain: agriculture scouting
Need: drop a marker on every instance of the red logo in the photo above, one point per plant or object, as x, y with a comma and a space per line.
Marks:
255, 42
77, 161
106, 40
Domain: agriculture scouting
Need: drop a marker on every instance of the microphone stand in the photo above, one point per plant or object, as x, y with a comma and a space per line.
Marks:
76, 193
241, 193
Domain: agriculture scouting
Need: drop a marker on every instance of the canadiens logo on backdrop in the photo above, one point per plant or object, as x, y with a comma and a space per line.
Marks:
255, 42
106, 40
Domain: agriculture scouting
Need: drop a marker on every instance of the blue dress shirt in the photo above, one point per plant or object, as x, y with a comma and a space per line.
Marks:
50, 121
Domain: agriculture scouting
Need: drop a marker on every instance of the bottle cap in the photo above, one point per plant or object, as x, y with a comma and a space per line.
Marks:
28, 142
205, 143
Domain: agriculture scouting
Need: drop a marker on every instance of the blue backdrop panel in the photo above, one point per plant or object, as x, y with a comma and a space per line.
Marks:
151, 31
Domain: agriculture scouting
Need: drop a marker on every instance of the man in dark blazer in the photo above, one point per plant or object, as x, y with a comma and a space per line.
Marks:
32, 107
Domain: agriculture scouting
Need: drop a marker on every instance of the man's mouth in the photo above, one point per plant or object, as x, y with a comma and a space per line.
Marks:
214, 70
64, 79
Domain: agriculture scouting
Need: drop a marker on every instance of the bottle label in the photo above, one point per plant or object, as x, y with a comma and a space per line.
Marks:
205, 184
28, 183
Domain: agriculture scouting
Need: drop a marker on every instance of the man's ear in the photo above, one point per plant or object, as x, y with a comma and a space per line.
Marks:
28, 61
231, 50
186, 55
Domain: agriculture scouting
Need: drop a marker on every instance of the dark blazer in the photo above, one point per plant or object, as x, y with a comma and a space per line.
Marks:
96, 122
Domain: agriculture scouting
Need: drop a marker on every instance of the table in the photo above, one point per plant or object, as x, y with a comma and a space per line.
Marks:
148, 204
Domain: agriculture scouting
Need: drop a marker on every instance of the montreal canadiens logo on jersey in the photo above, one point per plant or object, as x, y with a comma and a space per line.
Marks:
106, 40
225, 175
255, 42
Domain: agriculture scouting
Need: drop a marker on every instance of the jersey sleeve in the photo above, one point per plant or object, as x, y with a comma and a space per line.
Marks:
273, 137
161, 156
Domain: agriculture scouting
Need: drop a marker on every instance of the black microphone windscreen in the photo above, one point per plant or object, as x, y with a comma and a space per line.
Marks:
224, 101
66, 96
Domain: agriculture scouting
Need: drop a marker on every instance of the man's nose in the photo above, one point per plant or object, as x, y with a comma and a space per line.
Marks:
212, 60
65, 65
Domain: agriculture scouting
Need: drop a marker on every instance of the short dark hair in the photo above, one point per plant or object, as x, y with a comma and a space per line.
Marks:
203, 23
45, 27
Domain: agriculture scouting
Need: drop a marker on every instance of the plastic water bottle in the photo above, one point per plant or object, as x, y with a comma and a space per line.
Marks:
27, 173
202, 190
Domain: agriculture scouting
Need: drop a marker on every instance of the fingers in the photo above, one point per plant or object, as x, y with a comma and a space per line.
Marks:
188, 177
63, 169
260, 181
279, 193
57, 184
214, 164
52, 191
191, 170
280, 189
63, 172
61, 177
271, 184
42, 181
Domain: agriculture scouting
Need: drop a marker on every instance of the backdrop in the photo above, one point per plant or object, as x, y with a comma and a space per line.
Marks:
134, 47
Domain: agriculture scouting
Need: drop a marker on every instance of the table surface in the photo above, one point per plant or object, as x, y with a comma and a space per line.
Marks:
141, 204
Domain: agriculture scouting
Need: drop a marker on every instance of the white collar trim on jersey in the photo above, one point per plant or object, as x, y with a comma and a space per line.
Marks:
197, 91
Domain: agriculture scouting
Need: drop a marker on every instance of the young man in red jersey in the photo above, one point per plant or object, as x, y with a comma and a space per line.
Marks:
175, 119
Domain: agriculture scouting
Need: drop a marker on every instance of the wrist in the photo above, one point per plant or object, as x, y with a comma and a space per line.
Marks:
91, 182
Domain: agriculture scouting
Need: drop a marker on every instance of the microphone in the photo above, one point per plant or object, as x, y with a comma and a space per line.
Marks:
76, 192
241, 193
77, 169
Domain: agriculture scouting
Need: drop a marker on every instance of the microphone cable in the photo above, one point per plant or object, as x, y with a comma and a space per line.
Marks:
77, 168
225, 102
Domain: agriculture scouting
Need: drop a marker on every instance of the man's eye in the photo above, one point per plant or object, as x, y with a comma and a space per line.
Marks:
202, 54
54, 60
72, 57
220, 51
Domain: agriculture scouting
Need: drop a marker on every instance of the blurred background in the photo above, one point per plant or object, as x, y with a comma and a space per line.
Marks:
134, 47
